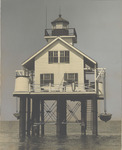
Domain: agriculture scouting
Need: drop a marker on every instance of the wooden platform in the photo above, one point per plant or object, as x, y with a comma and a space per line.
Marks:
75, 96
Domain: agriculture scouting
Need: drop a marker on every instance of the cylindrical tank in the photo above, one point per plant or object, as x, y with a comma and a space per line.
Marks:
22, 84
100, 88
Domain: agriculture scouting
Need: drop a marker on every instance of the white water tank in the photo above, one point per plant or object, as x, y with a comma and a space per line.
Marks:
100, 88
22, 84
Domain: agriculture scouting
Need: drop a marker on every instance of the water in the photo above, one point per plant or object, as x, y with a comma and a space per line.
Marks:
109, 138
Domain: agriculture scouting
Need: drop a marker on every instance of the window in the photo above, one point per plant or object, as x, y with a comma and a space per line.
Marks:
71, 77
53, 56
64, 56
45, 79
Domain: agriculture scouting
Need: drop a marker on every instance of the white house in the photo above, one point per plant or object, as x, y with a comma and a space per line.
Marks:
59, 68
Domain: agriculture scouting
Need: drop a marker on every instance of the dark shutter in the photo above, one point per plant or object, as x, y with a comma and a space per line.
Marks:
76, 77
52, 78
65, 76
41, 79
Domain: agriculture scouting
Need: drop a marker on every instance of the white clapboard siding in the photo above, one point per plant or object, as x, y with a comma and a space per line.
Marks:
76, 64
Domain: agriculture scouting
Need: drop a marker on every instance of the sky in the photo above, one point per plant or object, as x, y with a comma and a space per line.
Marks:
98, 24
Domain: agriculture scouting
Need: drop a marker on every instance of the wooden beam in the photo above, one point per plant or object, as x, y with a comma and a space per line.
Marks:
83, 116
42, 117
95, 124
22, 121
35, 116
28, 117
61, 116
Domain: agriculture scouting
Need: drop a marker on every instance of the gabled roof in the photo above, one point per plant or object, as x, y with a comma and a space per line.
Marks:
29, 63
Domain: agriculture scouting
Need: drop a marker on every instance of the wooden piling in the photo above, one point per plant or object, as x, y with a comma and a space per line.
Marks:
83, 116
42, 117
95, 125
22, 121
28, 117
35, 116
61, 117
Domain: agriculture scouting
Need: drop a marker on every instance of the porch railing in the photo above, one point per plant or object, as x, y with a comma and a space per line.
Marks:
61, 88
57, 32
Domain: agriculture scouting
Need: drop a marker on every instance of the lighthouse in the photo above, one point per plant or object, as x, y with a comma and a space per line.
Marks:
59, 72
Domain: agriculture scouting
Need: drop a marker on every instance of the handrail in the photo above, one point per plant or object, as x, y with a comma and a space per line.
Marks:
62, 88
71, 31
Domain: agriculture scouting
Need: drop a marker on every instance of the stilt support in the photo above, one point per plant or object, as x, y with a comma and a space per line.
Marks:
83, 116
42, 117
28, 117
35, 116
61, 117
94, 101
22, 122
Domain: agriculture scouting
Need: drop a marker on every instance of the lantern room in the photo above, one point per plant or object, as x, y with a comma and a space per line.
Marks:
60, 27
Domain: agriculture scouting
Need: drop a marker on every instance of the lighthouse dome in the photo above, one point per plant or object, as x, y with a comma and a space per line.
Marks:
61, 20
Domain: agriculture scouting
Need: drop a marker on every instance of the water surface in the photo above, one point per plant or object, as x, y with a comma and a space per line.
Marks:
109, 138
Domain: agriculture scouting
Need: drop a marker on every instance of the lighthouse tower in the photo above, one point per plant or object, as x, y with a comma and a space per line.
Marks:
58, 72
60, 27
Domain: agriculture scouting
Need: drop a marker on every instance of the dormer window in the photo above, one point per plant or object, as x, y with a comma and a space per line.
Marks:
64, 56
53, 57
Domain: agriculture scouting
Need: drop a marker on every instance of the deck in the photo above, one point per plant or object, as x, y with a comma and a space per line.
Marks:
55, 95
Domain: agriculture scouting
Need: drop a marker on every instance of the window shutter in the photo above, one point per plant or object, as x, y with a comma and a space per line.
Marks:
65, 76
76, 77
41, 79
52, 78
